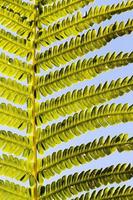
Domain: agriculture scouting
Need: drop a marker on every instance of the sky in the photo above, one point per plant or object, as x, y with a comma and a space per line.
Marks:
120, 44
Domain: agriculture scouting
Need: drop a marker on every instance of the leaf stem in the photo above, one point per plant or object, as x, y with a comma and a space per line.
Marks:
33, 107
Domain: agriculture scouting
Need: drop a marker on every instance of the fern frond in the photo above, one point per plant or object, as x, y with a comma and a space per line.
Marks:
10, 191
73, 184
18, 6
119, 193
14, 168
14, 68
81, 45
77, 23
51, 13
86, 69
84, 98
14, 117
15, 144
15, 22
13, 91
81, 122
66, 159
14, 44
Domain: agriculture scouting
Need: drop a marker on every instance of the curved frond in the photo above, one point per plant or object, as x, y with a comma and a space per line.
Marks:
15, 144
15, 22
77, 23
13, 91
11, 191
73, 184
14, 168
18, 6
81, 45
119, 193
13, 117
51, 13
81, 122
84, 98
86, 69
68, 158
14, 44
14, 68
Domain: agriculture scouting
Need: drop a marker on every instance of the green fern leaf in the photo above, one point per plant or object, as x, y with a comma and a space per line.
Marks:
77, 23
18, 6
9, 190
81, 45
14, 168
14, 117
81, 122
51, 13
13, 91
119, 193
74, 156
73, 184
15, 144
83, 98
13, 67
14, 22
86, 69
14, 44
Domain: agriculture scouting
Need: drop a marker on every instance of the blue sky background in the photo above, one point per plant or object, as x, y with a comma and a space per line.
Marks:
124, 44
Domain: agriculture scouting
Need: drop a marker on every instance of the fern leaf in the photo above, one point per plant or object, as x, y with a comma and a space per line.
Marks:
18, 6
73, 184
51, 13
84, 98
81, 122
10, 191
86, 69
14, 168
13, 91
14, 44
66, 159
15, 22
15, 144
14, 67
14, 117
81, 45
119, 193
77, 23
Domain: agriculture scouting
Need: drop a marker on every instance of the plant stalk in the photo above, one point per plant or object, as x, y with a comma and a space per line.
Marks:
34, 131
